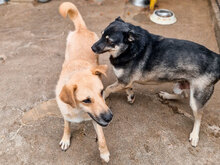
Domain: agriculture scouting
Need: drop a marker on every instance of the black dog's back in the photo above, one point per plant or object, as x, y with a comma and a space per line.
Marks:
182, 56
184, 59
175, 54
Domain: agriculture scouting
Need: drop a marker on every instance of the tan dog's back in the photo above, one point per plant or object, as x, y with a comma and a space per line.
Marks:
80, 41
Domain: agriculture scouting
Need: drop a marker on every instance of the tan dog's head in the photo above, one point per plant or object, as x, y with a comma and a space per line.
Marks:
84, 92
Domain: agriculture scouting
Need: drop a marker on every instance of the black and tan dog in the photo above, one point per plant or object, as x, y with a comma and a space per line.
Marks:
141, 57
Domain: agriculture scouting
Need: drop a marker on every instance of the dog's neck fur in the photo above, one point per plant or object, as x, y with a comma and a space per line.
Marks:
133, 52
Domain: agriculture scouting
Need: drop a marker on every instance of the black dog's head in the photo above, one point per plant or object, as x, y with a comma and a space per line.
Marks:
115, 39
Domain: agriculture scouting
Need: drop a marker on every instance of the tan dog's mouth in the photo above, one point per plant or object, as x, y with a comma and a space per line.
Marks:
103, 119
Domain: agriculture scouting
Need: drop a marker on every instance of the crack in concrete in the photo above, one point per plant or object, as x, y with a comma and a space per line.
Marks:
209, 129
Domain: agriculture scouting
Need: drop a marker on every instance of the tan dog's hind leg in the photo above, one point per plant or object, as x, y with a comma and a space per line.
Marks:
65, 141
112, 89
104, 153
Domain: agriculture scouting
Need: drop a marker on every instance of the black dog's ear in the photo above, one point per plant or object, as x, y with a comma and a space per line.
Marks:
131, 35
119, 19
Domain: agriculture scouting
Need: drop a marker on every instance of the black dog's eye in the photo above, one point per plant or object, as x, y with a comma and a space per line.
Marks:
102, 92
107, 39
110, 41
87, 101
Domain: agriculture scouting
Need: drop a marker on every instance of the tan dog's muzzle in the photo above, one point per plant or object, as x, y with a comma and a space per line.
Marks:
103, 119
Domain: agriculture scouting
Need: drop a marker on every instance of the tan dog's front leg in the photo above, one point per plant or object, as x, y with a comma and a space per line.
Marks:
65, 141
104, 153
113, 88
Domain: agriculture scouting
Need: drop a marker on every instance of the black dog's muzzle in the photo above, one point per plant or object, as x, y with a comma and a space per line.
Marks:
98, 48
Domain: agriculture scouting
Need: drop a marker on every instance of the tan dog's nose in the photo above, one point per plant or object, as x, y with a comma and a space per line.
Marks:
103, 119
107, 116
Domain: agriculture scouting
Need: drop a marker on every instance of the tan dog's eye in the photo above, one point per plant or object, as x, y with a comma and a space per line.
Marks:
102, 92
87, 101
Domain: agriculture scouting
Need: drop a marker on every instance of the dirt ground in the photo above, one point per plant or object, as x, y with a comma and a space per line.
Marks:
32, 37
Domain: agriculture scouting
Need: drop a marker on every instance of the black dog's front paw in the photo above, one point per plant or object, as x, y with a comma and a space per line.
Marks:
131, 99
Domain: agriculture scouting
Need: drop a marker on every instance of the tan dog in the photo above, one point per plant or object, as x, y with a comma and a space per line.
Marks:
79, 89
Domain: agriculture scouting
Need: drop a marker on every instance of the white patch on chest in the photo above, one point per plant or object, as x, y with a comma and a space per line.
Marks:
77, 119
118, 72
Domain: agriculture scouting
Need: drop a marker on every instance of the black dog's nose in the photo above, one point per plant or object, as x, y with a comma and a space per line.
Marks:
107, 116
94, 49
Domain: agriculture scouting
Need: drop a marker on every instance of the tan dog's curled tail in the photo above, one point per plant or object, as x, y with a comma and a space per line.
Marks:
70, 9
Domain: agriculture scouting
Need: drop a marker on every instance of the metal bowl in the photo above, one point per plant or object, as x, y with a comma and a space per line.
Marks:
140, 3
163, 17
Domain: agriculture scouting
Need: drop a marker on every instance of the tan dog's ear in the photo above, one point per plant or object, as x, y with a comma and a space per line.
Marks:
67, 95
100, 69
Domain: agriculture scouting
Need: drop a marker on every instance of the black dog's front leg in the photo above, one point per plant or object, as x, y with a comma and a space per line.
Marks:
113, 88
117, 86
130, 95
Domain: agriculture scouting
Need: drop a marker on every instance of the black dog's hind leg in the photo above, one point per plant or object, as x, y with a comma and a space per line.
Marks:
130, 95
113, 88
198, 98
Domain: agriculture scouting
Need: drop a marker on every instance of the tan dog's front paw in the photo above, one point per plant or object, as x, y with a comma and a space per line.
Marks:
105, 156
65, 143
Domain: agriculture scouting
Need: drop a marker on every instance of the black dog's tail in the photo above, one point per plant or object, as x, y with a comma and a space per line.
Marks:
70, 9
